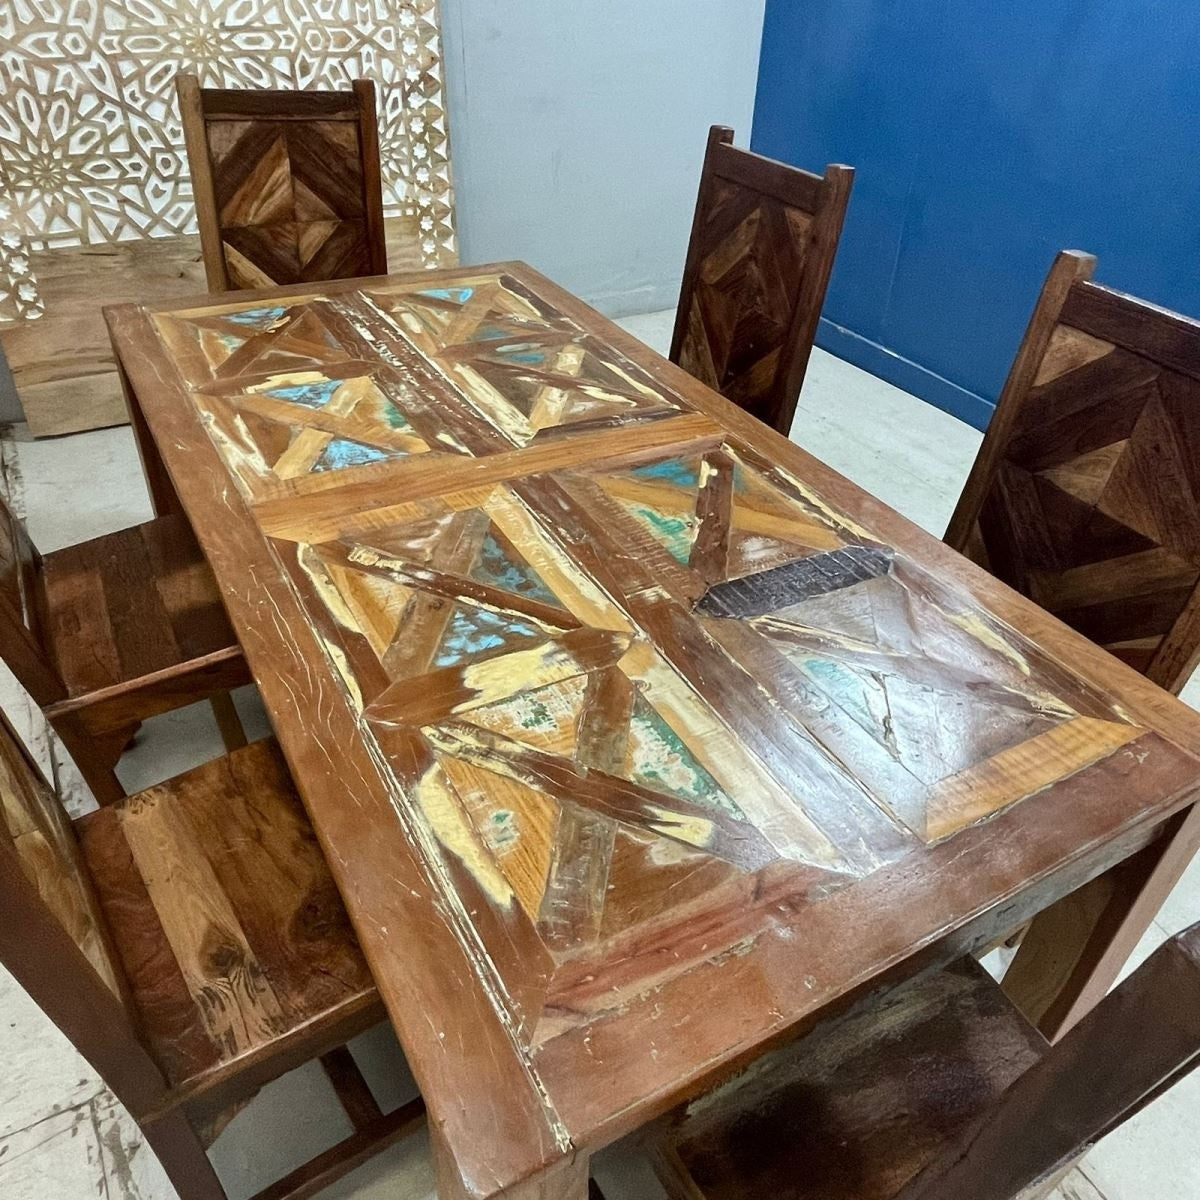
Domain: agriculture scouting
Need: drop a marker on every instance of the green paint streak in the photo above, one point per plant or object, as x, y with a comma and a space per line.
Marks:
663, 762
503, 832
394, 417
537, 717
844, 686
673, 532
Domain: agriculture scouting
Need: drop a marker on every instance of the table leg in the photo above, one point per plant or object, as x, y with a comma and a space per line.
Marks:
566, 1181
163, 498
1073, 952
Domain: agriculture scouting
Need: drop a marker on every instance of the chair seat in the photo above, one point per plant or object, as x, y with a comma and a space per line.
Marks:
857, 1108
224, 914
131, 603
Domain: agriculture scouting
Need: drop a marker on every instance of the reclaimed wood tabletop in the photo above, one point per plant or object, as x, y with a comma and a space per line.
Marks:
637, 739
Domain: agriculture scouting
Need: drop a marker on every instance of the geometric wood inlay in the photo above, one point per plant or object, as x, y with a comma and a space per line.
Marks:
562, 700
634, 736
1092, 502
764, 237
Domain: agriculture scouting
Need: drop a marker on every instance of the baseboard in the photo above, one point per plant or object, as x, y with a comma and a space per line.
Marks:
903, 373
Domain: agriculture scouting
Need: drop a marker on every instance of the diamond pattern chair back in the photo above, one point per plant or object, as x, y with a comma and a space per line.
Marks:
763, 243
1086, 493
287, 184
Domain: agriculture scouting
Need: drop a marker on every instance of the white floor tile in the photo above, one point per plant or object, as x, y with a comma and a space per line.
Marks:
59, 1157
41, 1073
1182, 906
130, 1168
1154, 1156
60, 511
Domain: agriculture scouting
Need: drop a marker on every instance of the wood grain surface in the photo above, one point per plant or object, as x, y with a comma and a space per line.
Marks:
763, 242
192, 945
1086, 495
866, 1102
219, 872
287, 184
940, 1090
636, 739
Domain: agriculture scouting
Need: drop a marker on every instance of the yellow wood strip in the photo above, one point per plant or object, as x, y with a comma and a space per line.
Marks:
299, 458
517, 824
320, 507
1022, 770
236, 1002
582, 598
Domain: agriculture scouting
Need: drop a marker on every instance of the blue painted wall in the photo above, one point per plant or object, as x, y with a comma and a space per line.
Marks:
988, 134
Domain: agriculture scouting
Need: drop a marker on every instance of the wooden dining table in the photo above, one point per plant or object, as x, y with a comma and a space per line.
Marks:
637, 739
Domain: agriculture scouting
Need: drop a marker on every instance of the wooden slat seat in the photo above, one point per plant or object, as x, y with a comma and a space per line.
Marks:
856, 1109
191, 943
131, 603
227, 922
109, 632
939, 1090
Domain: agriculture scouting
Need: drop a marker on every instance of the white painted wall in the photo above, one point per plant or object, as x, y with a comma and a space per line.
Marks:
577, 130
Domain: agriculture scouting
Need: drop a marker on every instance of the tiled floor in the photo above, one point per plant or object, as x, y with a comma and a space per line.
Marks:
63, 1135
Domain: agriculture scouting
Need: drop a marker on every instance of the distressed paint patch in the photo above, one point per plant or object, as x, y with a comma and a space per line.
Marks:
474, 632
680, 472
261, 319
499, 568
502, 831
454, 295
659, 759
450, 825
545, 718
676, 534
314, 394
520, 671
526, 353
342, 453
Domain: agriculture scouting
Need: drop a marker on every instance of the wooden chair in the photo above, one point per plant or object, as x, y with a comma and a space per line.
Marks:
1086, 493
191, 943
763, 242
287, 184
112, 631
939, 1090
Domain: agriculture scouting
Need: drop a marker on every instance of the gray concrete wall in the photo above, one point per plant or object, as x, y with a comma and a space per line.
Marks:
577, 130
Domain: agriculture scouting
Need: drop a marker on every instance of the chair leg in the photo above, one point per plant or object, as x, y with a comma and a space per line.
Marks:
177, 1147
352, 1090
228, 722
96, 759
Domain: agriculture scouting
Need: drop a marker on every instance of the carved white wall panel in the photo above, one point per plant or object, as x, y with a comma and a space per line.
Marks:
91, 146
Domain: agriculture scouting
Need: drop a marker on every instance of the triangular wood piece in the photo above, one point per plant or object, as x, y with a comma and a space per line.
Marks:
1085, 477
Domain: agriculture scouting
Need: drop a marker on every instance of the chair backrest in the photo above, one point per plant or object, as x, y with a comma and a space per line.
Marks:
763, 243
53, 936
1086, 493
1139, 1041
287, 184
22, 645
